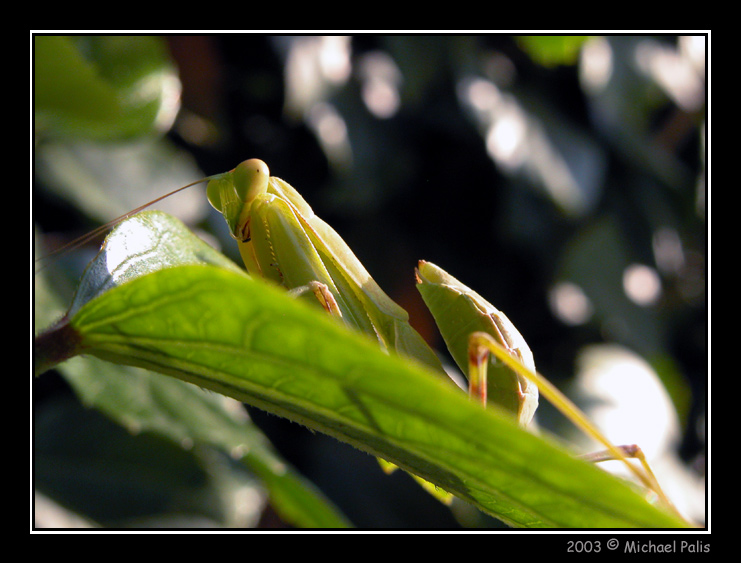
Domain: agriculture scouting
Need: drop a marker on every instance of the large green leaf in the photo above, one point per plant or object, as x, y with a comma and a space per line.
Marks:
221, 330
146, 403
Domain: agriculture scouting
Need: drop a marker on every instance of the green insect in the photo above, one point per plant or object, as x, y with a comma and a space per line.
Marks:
281, 239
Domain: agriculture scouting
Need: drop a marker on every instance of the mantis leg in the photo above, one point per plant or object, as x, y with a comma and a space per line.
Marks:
482, 344
631, 451
518, 395
460, 312
322, 294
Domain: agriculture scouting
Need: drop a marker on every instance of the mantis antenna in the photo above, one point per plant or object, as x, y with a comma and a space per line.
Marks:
43, 261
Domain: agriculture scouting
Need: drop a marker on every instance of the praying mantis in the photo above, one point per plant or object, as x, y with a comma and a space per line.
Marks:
281, 239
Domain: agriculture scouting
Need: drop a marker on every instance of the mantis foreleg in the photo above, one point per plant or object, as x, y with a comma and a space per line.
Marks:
323, 296
460, 312
473, 326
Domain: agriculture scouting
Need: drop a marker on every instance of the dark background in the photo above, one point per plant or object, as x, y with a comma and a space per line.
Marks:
421, 184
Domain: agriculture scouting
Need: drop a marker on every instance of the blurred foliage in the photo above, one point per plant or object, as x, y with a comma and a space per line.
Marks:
552, 50
562, 180
103, 87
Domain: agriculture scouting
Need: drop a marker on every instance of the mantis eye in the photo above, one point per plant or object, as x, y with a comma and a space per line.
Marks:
251, 179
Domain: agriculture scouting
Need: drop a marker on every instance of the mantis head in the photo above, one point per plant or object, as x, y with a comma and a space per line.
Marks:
233, 192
